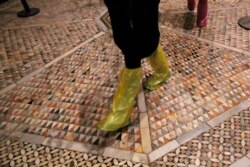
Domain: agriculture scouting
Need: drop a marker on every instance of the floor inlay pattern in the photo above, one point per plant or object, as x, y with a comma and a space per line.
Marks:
169, 5
52, 12
206, 81
220, 147
17, 154
23, 50
65, 71
222, 26
68, 99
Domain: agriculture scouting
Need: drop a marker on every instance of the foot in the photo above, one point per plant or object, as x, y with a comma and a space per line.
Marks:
159, 64
123, 101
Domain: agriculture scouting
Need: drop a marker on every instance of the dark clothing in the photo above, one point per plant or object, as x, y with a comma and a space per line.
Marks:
135, 28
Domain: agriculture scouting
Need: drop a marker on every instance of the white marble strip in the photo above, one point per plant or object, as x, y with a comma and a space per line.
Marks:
144, 123
145, 133
33, 139
243, 162
193, 133
141, 100
141, 158
154, 155
206, 40
248, 155
100, 23
56, 143
117, 153
226, 115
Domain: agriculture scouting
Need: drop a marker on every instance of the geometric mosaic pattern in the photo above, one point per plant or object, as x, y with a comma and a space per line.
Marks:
68, 99
63, 102
181, 5
220, 146
24, 50
222, 26
206, 81
51, 12
13, 153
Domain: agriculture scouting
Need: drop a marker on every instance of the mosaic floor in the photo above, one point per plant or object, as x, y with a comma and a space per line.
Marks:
59, 70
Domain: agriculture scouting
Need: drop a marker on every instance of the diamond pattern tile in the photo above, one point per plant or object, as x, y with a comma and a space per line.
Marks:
220, 147
15, 153
24, 50
222, 26
61, 105
68, 99
51, 12
180, 5
206, 81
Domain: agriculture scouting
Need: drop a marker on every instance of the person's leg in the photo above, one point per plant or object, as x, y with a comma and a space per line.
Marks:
144, 19
146, 33
202, 10
120, 16
130, 76
191, 4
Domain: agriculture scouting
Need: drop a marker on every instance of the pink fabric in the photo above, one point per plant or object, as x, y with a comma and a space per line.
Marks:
202, 10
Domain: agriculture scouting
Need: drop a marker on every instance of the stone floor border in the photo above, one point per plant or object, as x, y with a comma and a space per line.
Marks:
243, 162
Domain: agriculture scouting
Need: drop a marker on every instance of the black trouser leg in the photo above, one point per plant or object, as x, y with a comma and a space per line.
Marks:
135, 28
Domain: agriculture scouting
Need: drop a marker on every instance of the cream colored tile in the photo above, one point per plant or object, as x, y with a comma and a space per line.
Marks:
193, 133
57, 143
163, 150
144, 123
16, 135
34, 139
116, 153
142, 158
145, 133
224, 116
82, 147
99, 34
141, 101
243, 162
248, 155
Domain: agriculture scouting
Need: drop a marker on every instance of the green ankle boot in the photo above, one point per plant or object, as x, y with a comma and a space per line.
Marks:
123, 101
159, 64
